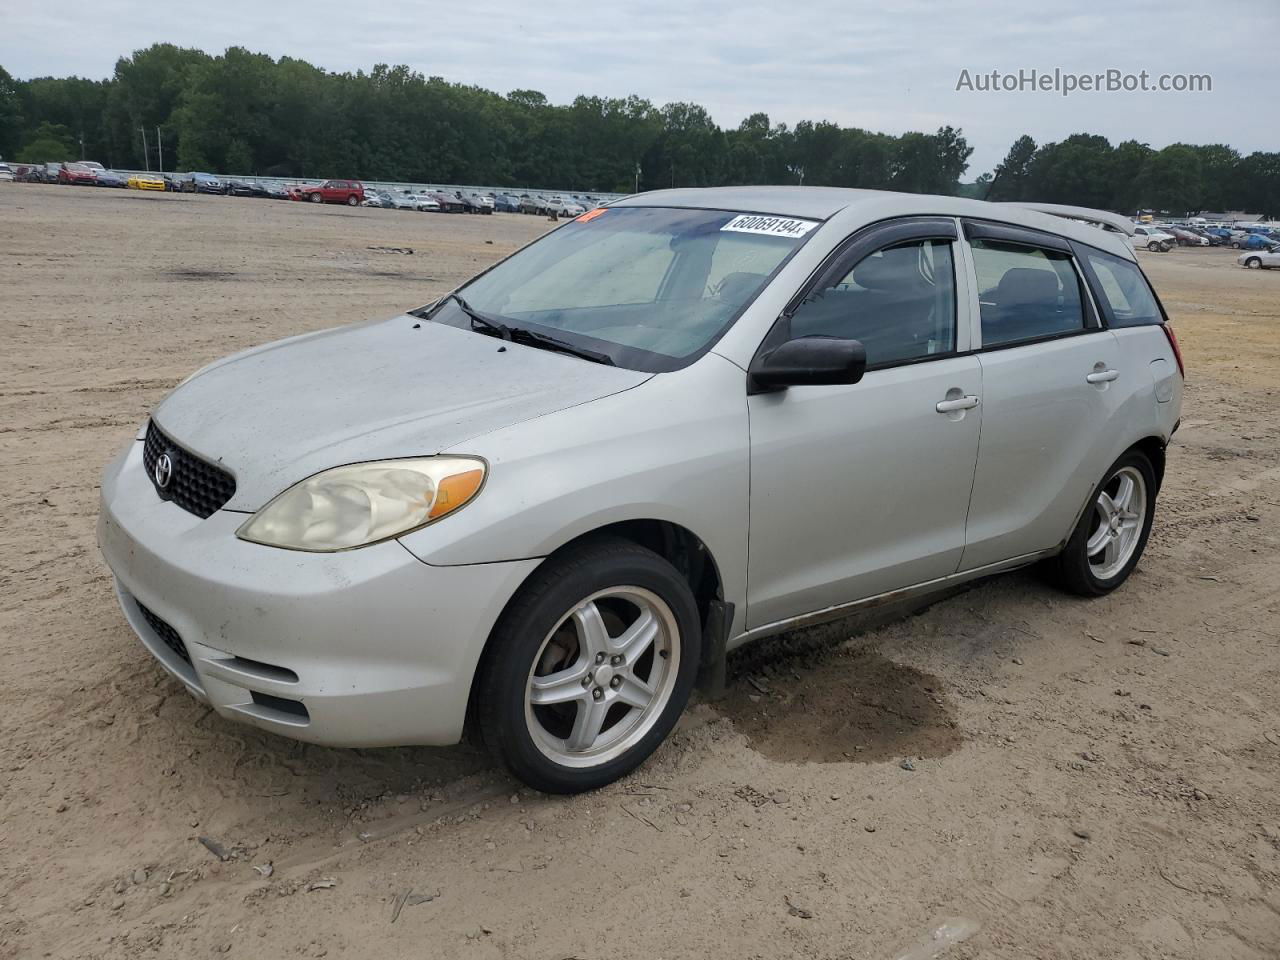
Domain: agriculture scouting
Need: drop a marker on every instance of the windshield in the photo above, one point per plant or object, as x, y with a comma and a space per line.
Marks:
649, 287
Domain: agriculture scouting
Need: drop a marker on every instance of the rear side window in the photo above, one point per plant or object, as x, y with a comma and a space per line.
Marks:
1126, 296
900, 302
1025, 293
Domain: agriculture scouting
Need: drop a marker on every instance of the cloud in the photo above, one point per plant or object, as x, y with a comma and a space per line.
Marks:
890, 67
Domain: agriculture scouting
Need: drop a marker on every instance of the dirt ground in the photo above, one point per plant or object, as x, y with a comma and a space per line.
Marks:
1012, 774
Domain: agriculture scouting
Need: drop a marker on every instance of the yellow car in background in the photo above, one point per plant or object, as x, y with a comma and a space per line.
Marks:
142, 181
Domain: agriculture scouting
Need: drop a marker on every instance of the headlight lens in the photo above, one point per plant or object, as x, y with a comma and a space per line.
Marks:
365, 503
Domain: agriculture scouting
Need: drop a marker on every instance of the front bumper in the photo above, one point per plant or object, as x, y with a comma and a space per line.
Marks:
365, 648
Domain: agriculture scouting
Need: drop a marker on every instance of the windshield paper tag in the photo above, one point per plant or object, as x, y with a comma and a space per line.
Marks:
768, 226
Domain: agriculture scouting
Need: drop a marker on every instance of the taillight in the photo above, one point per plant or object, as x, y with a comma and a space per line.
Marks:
1177, 350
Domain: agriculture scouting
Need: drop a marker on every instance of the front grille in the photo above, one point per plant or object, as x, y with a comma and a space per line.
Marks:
166, 633
195, 485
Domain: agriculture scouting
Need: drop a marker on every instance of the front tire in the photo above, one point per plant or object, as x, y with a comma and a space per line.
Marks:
589, 667
1253, 263
316, 198
1111, 536
352, 201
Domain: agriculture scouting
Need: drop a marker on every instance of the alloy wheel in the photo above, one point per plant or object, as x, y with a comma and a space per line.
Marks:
602, 676
1119, 513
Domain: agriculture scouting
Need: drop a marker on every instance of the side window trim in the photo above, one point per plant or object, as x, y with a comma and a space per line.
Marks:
1107, 319
1009, 233
862, 243
868, 240
1034, 239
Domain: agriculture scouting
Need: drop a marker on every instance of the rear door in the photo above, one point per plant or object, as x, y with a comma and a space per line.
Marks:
1052, 382
860, 489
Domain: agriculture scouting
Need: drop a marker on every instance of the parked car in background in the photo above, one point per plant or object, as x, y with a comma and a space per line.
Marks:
572, 208
1260, 259
449, 203
203, 183
1214, 239
146, 181
549, 540
530, 204
275, 191
424, 203
6, 173
78, 174
1254, 241
109, 178
474, 202
506, 203
245, 188
1185, 237
52, 170
1154, 238
350, 192
407, 200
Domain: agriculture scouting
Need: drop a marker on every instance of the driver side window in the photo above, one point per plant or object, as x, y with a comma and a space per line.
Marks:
899, 302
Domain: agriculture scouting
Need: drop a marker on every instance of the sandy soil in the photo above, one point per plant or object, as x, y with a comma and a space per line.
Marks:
1033, 775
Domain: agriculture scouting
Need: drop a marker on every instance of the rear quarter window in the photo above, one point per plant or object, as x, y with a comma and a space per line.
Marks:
1127, 299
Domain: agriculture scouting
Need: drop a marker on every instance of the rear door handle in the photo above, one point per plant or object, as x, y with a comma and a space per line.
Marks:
1102, 376
960, 403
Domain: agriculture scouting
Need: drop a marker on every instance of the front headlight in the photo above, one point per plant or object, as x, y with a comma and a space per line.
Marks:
365, 503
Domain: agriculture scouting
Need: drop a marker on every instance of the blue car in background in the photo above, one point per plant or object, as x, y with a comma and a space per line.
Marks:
1255, 241
506, 203
203, 183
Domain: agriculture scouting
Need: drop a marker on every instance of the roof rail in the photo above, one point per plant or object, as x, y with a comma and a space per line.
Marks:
1103, 218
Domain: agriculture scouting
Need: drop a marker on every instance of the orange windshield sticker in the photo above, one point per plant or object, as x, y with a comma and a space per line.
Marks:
591, 215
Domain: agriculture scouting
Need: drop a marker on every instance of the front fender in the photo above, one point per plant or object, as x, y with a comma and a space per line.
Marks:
674, 448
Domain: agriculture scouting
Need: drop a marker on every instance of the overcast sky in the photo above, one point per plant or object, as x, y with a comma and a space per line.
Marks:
889, 66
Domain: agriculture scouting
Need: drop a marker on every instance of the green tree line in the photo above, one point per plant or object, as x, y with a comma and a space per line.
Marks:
247, 113
1088, 171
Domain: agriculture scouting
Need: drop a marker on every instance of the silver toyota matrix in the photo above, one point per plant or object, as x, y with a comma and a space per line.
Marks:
674, 425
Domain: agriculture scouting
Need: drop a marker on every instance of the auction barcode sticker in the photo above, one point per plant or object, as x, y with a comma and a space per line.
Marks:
769, 226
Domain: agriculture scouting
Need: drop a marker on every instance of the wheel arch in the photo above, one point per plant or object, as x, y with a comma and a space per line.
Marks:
675, 543
1154, 448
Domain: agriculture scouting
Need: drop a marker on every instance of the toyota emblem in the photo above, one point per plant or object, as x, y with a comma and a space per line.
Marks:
163, 472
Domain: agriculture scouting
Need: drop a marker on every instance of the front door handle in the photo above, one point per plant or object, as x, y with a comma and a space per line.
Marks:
959, 403
1102, 376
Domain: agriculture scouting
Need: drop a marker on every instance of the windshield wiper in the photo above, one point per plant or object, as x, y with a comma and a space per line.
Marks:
532, 339
481, 321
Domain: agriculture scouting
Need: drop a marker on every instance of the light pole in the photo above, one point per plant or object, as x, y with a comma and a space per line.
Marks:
146, 157
160, 147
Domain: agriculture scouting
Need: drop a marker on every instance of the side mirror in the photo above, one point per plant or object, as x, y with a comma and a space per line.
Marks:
808, 361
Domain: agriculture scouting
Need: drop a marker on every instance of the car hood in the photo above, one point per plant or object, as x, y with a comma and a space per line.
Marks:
279, 413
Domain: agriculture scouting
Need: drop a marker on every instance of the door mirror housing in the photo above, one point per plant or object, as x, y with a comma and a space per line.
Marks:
808, 361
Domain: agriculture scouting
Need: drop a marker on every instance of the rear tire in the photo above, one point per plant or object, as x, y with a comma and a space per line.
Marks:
316, 198
1109, 539
1253, 263
615, 699
352, 201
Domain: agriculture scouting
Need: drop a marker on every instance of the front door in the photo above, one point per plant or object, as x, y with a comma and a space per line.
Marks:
861, 489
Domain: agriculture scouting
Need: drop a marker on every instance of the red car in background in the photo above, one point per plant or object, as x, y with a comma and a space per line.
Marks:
350, 192
80, 173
